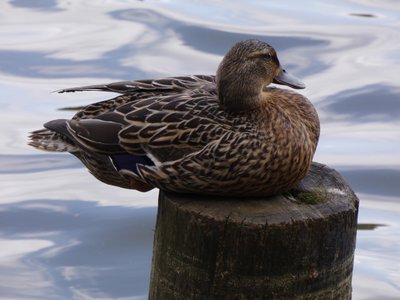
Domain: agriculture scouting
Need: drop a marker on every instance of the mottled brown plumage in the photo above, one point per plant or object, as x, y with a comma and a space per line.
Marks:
230, 135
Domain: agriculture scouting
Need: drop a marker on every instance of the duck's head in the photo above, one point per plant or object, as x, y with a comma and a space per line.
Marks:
247, 68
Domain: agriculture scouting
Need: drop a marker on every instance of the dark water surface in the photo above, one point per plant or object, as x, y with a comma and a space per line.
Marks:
64, 235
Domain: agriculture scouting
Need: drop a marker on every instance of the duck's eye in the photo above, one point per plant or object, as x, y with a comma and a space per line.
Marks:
265, 56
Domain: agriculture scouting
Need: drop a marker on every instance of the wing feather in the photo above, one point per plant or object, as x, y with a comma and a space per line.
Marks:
142, 93
162, 85
161, 126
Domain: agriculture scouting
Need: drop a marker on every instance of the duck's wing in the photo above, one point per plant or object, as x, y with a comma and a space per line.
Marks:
164, 127
170, 84
133, 91
174, 124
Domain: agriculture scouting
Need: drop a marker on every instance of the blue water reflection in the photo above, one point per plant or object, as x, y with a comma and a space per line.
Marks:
385, 181
37, 64
14, 164
361, 104
46, 5
64, 235
205, 39
98, 251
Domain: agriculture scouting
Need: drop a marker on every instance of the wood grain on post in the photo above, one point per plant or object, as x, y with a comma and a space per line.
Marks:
294, 246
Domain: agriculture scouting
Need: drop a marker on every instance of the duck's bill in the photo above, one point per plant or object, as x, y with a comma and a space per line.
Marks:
284, 78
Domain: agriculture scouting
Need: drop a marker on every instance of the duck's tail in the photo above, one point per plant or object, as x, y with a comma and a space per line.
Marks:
48, 140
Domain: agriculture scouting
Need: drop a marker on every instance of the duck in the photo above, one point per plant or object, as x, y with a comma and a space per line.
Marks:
232, 134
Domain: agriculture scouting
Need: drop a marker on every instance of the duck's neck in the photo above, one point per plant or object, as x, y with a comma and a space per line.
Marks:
241, 94
238, 91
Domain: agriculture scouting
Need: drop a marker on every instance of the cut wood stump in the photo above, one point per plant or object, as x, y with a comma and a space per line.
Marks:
299, 245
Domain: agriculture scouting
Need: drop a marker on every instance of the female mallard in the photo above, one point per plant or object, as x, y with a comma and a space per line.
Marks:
229, 134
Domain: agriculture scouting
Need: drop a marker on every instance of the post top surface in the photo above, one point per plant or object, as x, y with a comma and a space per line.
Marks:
322, 192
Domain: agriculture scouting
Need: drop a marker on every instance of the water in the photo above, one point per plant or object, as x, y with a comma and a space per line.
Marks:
64, 235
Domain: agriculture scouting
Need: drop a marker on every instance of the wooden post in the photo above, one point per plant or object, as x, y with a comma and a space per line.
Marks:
294, 246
